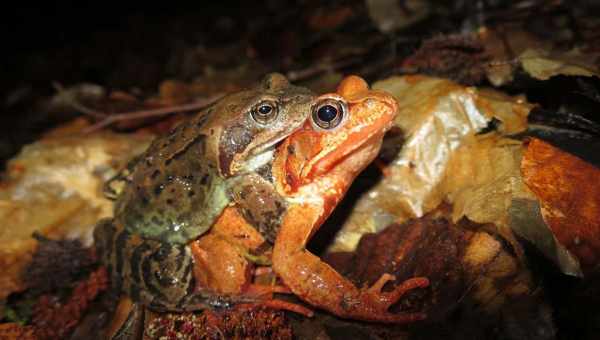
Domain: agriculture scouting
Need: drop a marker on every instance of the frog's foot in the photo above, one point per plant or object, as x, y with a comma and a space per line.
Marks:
374, 304
400, 290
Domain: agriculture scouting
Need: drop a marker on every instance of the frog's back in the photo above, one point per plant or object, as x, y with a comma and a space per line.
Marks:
175, 191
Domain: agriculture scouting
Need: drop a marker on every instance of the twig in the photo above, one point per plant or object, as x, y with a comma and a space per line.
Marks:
320, 68
88, 111
72, 101
110, 119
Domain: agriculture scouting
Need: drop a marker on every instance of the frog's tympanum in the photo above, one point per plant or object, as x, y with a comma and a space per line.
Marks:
313, 169
180, 186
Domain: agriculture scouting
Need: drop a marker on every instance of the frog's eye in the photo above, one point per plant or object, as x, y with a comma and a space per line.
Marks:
329, 113
265, 112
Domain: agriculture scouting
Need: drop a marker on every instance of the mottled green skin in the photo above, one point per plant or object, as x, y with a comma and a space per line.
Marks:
173, 198
177, 189
182, 182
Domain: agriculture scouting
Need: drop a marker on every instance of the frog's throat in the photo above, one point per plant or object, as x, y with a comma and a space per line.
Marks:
361, 156
260, 155
259, 160
270, 145
342, 152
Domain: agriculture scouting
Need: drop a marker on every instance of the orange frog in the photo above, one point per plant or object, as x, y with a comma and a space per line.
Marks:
311, 171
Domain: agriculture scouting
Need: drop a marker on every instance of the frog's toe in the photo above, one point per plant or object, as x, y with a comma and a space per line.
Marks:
405, 286
289, 306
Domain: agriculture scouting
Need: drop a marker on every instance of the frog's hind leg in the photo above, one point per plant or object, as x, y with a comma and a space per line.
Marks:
282, 305
322, 286
128, 321
264, 292
222, 265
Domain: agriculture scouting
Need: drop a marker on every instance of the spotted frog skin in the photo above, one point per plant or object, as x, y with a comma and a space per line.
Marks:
183, 182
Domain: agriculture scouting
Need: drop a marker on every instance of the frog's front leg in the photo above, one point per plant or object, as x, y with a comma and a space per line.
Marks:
259, 203
317, 283
113, 187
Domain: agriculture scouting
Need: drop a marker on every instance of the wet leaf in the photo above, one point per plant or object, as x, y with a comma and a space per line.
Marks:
436, 117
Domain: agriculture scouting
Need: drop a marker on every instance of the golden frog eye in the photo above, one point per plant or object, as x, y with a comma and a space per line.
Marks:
328, 113
265, 112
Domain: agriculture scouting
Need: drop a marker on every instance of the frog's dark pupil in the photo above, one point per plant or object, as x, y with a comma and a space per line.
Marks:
327, 113
264, 109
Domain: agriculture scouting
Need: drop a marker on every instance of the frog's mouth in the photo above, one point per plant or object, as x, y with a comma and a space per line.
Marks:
263, 154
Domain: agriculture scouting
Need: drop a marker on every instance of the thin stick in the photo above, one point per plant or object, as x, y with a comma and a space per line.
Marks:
75, 104
110, 119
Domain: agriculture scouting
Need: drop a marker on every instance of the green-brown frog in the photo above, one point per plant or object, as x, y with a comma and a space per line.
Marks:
182, 183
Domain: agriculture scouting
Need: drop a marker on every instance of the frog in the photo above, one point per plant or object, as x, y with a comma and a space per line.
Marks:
313, 169
176, 190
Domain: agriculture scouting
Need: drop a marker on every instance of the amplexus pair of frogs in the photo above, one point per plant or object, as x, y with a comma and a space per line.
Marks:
246, 183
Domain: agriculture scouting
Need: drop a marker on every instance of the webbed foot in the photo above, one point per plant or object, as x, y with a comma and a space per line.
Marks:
374, 304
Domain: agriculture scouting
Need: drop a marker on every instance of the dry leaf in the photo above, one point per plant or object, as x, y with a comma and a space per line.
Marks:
460, 263
14, 331
459, 57
54, 320
510, 45
569, 194
391, 15
543, 65
54, 187
526, 220
503, 43
250, 323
